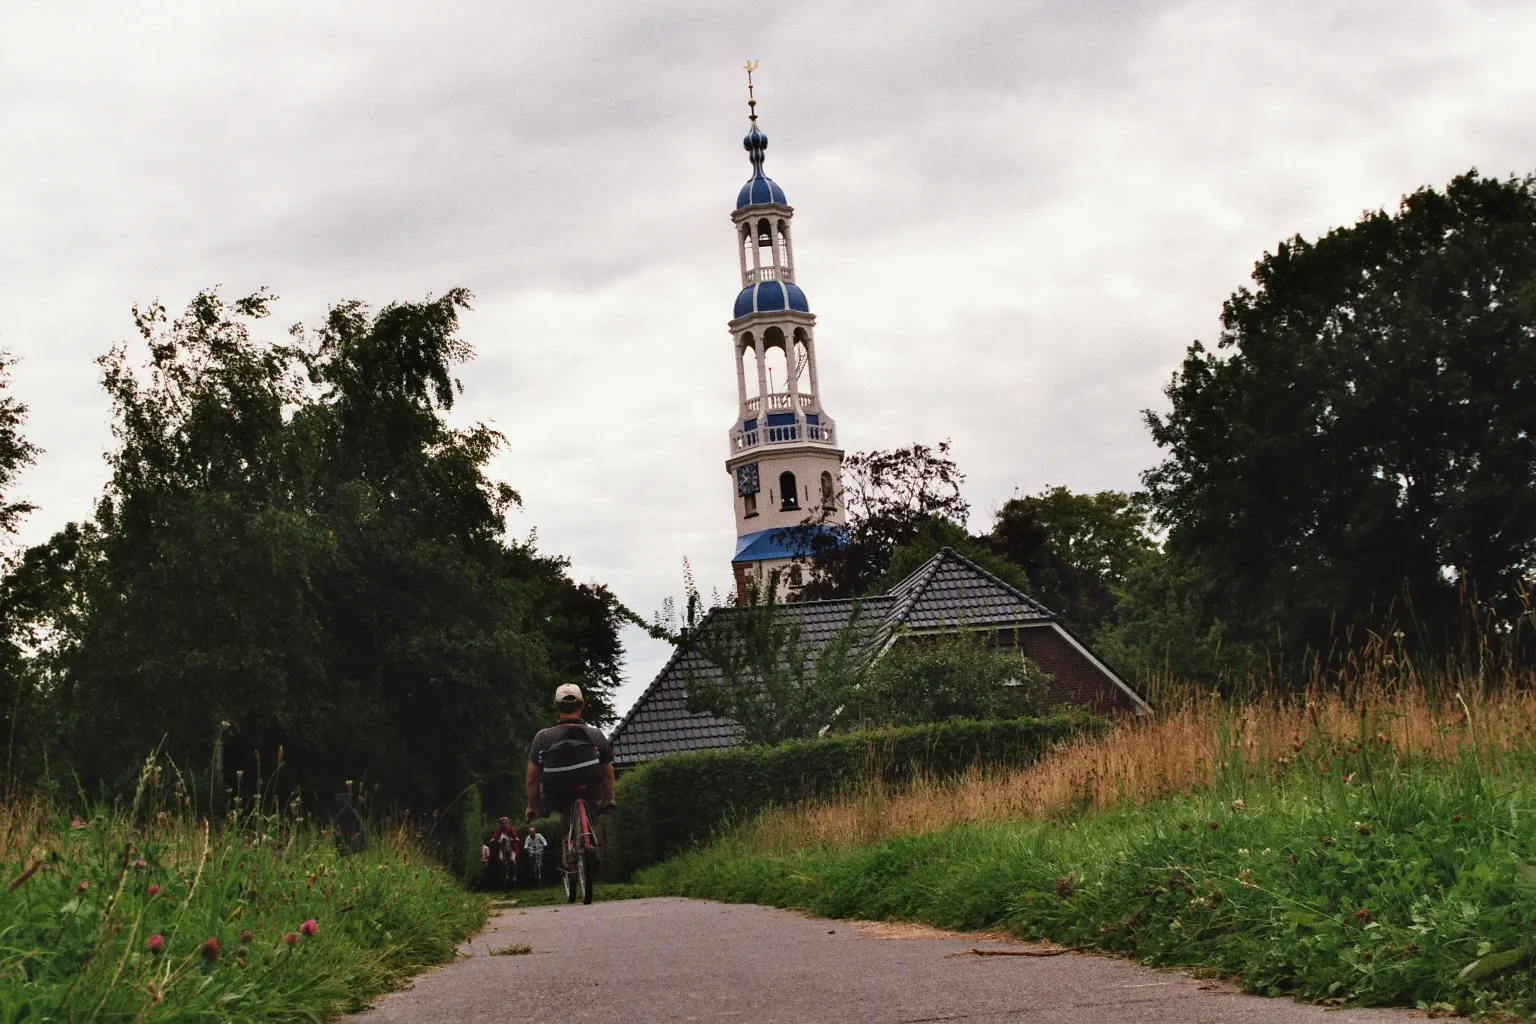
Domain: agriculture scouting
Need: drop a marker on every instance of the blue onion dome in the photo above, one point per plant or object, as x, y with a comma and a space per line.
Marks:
770, 297
760, 188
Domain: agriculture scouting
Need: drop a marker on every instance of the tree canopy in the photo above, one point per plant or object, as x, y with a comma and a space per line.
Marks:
1362, 443
297, 553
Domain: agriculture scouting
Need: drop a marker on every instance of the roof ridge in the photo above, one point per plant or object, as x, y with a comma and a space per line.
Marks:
919, 580
1009, 587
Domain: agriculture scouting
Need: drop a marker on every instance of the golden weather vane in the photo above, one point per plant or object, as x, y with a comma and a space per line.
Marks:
751, 66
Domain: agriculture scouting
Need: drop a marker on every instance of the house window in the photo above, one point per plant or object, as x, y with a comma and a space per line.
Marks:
828, 499
749, 505
790, 492
795, 578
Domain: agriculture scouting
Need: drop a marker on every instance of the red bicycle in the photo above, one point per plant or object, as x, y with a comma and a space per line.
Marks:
579, 847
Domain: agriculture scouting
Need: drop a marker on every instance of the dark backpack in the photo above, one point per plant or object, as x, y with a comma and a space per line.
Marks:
571, 763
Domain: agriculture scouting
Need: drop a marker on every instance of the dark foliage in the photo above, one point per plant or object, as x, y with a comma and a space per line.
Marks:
671, 803
966, 675
1076, 549
297, 553
1363, 445
16, 453
888, 497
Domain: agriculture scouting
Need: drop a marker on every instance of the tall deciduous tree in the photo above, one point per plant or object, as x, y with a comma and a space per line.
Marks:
297, 551
889, 497
16, 598
1363, 440
1075, 548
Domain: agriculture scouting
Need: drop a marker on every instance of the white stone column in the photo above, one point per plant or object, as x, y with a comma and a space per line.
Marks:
762, 381
810, 360
741, 373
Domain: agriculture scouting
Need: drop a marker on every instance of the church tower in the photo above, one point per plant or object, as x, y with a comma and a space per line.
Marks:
784, 462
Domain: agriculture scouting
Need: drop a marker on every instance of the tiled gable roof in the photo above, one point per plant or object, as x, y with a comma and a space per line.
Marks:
953, 592
948, 592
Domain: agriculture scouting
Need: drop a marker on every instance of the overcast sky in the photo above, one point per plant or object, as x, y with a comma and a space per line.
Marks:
1012, 217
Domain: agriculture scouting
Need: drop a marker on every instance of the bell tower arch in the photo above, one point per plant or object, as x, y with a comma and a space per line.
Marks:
784, 460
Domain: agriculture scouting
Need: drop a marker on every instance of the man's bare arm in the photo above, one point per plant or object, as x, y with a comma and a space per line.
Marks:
608, 778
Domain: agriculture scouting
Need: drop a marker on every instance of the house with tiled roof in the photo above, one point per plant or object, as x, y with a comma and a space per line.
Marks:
948, 594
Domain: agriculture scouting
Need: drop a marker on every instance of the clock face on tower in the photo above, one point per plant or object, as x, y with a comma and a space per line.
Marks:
746, 479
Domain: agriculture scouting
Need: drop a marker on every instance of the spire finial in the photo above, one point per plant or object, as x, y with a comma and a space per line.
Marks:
751, 66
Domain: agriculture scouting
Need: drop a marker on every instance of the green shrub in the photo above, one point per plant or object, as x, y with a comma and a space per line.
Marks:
925, 679
673, 802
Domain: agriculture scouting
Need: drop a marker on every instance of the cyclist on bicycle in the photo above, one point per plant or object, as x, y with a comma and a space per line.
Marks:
567, 760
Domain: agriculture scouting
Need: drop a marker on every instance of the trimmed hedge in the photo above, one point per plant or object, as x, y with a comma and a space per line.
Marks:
676, 801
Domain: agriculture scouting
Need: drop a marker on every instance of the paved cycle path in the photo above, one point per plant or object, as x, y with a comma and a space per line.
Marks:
664, 960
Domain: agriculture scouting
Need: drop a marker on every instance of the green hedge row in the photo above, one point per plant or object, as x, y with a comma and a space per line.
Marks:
676, 801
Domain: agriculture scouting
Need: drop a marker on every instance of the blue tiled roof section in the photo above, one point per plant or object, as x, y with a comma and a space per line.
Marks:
758, 191
780, 542
759, 188
771, 297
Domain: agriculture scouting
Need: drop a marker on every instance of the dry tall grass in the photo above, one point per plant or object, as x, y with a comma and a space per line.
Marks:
1193, 737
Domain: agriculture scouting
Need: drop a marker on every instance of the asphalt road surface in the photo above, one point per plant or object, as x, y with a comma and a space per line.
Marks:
654, 960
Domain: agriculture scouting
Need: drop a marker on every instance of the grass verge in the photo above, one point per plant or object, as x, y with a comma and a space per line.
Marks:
1421, 896
156, 916
1374, 845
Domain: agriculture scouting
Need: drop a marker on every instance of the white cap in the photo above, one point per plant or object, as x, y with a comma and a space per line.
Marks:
566, 693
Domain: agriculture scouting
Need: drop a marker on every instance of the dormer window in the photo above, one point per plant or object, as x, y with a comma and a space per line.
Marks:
790, 492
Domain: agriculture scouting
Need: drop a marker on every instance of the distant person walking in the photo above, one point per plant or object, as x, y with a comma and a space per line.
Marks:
536, 844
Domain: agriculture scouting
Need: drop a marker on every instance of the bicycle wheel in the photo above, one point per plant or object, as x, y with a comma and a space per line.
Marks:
567, 874
587, 851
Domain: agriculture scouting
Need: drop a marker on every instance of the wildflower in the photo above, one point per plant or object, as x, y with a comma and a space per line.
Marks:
76, 823
1245, 878
1264, 852
246, 938
1348, 779
1242, 851
310, 927
152, 891
1235, 806
1214, 826
1327, 840
84, 885
1455, 819
155, 943
140, 863
210, 949
1363, 915
291, 938
1364, 830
